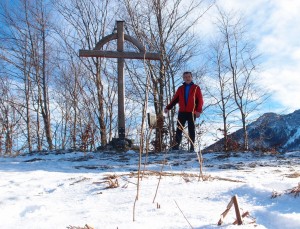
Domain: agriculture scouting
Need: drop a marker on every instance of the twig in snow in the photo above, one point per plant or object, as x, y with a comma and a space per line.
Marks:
184, 174
199, 154
85, 227
183, 214
142, 139
81, 180
160, 175
295, 191
110, 183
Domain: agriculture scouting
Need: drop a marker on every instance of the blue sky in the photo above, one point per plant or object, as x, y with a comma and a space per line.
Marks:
275, 26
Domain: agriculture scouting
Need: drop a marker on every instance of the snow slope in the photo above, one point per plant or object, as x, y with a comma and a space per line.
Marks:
60, 190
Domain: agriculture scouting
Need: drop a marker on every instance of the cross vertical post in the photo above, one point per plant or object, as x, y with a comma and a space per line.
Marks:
121, 91
121, 55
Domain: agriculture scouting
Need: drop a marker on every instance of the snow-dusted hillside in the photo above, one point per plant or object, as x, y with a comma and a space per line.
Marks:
72, 189
270, 131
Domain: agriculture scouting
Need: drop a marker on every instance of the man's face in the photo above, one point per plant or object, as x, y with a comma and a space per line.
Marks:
187, 78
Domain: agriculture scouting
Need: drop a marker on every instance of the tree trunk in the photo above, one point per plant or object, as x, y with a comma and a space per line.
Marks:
28, 89
100, 97
38, 122
245, 131
45, 111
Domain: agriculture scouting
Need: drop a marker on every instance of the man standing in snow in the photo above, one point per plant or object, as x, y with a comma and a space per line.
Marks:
190, 101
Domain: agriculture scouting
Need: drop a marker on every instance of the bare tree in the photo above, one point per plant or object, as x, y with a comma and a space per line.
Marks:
25, 50
165, 27
5, 110
89, 20
10, 118
242, 63
15, 53
38, 35
220, 89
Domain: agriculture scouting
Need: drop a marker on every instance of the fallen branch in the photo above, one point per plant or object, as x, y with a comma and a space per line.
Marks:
233, 202
246, 214
223, 215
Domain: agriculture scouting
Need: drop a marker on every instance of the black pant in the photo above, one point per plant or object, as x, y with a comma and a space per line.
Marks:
182, 118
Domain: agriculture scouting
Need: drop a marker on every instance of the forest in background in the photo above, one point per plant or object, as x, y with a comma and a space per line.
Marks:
52, 99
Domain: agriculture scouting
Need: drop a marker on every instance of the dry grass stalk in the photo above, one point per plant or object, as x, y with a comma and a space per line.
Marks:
110, 180
113, 184
199, 154
81, 180
293, 175
113, 176
275, 194
294, 191
166, 174
226, 179
184, 174
200, 160
141, 140
85, 227
183, 214
160, 176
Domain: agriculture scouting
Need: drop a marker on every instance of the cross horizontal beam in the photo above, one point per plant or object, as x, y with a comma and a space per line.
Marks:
114, 54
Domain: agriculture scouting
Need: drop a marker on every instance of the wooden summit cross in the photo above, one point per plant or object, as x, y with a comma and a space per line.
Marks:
121, 55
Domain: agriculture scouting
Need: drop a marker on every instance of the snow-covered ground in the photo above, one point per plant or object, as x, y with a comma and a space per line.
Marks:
65, 190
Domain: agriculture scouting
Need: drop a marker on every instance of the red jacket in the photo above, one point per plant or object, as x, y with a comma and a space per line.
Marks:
195, 99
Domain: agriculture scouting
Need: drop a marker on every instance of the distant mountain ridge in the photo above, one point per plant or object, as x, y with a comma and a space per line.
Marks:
271, 131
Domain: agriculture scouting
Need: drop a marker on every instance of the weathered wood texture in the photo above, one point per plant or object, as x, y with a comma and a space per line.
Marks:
121, 55
113, 54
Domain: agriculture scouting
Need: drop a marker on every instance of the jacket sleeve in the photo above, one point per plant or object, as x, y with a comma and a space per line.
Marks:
174, 101
199, 100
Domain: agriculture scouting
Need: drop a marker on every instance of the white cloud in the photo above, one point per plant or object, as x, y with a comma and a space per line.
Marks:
274, 25
296, 55
279, 33
284, 86
281, 46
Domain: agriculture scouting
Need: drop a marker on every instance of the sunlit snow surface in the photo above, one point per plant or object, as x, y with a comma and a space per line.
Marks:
59, 190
